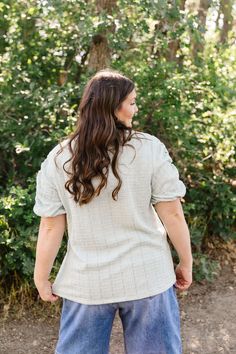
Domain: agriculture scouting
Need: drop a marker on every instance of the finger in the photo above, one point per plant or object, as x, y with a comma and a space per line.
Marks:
183, 285
49, 297
184, 281
55, 298
180, 282
181, 288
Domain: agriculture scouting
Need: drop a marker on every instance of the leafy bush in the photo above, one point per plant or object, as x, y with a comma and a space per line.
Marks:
18, 232
204, 267
18, 235
191, 108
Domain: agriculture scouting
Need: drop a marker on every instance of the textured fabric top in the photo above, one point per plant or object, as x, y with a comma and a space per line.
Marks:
116, 250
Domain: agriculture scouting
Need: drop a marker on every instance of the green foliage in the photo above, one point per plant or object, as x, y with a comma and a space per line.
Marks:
204, 268
17, 232
191, 107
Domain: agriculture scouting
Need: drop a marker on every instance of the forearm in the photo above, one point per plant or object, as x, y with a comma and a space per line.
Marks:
172, 215
178, 233
49, 241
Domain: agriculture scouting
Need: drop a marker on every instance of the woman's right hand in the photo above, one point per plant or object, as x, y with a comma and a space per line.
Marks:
183, 277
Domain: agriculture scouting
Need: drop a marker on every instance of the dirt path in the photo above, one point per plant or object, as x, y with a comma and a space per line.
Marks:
208, 314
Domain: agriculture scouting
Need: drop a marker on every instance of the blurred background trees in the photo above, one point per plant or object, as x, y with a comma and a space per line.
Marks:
181, 56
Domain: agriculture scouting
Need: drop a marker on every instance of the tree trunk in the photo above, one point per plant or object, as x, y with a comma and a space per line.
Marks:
99, 54
226, 6
218, 16
198, 45
174, 45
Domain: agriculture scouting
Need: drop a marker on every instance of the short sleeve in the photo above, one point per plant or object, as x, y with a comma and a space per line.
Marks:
47, 200
166, 185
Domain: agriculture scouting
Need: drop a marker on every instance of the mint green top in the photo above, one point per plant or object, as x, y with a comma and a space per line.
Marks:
117, 250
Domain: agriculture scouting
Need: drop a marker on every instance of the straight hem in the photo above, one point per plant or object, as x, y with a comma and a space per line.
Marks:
113, 300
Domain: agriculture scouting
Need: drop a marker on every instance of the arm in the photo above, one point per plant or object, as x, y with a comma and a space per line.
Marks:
51, 231
172, 216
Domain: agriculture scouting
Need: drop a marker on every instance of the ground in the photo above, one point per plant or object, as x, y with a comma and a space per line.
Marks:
208, 314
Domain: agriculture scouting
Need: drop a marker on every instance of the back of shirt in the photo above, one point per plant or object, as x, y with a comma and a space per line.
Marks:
117, 250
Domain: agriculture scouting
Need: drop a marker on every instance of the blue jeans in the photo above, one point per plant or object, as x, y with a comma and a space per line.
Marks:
150, 326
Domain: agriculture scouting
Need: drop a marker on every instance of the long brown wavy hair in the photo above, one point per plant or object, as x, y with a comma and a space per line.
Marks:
97, 132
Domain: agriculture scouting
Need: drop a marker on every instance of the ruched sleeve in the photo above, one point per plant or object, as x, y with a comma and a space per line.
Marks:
166, 185
47, 199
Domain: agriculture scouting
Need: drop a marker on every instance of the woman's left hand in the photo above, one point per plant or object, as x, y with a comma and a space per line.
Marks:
183, 277
45, 291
